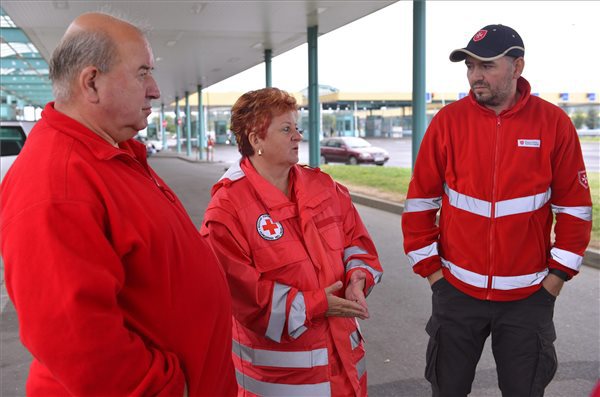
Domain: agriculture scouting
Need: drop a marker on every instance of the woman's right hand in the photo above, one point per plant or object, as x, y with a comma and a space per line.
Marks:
340, 307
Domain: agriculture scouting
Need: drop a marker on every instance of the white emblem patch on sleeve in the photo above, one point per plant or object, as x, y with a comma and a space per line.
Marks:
583, 179
268, 229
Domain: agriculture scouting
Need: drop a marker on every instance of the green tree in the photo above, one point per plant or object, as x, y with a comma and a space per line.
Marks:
592, 121
578, 119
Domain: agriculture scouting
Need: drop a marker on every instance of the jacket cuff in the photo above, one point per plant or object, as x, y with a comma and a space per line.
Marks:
316, 304
428, 266
552, 264
369, 282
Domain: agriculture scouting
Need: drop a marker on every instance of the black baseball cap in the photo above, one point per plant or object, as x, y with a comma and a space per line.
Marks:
490, 43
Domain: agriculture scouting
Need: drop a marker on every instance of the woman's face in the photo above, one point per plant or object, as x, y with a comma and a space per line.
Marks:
281, 143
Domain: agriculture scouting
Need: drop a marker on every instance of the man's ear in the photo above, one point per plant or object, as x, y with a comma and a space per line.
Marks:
87, 82
519, 66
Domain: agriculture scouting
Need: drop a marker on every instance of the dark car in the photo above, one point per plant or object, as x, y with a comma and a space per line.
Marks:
352, 150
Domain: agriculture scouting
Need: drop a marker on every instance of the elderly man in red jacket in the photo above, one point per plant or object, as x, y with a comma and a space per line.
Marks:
112, 300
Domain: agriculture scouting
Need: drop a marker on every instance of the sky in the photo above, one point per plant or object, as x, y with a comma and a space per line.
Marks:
374, 54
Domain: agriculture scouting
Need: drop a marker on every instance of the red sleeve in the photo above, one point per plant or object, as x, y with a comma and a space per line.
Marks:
360, 253
422, 203
64, 278
571, 202
252, 294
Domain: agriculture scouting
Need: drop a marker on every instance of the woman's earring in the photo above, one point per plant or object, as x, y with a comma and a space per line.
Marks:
260, 152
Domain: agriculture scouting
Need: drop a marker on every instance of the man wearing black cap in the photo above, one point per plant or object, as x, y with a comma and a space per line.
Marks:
498, 163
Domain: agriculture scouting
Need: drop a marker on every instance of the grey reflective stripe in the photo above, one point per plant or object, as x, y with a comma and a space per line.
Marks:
566, 258
514, 282
467, 203
267, 389
417, 256
277, 318
422, 204
584, 213
279, 359
522, 204
234, 172
354, 250
355, 339
498, 282
297, 316
354, 263
361, 367
514, 206
466, 276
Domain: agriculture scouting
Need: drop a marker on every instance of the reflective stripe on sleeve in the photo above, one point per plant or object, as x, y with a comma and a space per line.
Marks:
354, 339
277, 317
361, 366
584, 213
566, 258
417, 256
467, 203
354, 250
281, 389
357, 263
297, 316
422, 204
279, 359
498, 282
522, 204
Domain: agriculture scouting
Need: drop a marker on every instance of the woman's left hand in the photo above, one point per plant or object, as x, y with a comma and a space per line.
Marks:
355, 289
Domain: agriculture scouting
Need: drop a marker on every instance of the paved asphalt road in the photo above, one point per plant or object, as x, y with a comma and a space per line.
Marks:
399, 307
401, 152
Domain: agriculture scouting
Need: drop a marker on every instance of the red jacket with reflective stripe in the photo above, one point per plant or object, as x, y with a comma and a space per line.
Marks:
279, 255
498, 179
117, 293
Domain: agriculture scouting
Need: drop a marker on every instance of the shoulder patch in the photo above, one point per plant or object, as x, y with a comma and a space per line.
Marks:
583, 179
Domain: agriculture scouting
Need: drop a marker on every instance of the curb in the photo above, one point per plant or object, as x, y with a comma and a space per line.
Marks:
591, 257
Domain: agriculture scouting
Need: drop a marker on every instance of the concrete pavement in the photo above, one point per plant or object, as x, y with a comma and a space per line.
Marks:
399, 308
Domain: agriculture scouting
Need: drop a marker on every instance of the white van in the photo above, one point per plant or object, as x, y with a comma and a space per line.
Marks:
12, 139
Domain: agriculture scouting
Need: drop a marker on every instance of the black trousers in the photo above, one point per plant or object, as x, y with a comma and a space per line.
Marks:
522, 341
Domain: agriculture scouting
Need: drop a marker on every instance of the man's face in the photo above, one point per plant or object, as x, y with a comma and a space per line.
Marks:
492, 82
127, 89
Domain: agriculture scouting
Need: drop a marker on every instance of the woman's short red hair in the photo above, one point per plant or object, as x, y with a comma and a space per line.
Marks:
254, 111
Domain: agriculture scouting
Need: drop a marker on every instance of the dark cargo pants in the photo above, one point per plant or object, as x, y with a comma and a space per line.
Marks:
522, 341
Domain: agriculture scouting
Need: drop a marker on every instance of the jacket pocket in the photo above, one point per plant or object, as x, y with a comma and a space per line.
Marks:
331, 235
279, 255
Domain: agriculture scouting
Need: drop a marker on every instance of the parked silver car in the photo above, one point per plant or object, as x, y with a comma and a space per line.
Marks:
12, 138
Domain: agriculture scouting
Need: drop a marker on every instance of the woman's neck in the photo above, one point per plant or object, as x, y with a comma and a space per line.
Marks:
278, 176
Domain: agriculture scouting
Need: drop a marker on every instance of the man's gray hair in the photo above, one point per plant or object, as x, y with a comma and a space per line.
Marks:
77, 51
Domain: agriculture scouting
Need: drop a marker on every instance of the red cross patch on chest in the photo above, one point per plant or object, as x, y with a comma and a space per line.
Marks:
268, 229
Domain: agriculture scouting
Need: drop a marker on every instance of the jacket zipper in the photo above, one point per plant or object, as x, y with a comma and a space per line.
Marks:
148, 175
493, 209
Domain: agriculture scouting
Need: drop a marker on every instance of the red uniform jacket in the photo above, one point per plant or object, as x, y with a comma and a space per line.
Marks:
497, 179
116, 292
279, 255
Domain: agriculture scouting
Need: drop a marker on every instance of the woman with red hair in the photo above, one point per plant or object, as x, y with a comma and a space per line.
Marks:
298, 259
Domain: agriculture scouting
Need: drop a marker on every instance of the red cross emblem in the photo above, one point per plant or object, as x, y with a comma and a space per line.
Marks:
480, 35
583, 179
268, 229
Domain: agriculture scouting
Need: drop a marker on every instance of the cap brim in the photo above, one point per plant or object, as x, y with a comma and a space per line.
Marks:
462, 53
